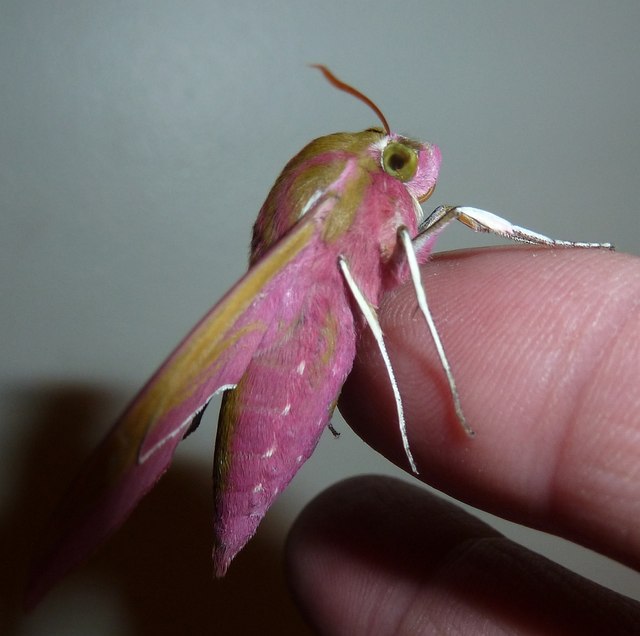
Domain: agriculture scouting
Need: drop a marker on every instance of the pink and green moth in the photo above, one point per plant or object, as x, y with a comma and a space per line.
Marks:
342, 224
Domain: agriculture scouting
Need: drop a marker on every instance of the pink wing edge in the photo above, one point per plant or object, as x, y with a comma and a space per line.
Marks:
140, 446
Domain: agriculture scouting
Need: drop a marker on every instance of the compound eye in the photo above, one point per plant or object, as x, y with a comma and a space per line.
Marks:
400, 161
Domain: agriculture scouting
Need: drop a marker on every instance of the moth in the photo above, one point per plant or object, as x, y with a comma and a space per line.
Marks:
342, 224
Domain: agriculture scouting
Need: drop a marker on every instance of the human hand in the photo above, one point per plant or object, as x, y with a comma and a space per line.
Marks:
545, 348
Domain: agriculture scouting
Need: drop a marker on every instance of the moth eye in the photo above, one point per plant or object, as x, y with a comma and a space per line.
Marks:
399, 161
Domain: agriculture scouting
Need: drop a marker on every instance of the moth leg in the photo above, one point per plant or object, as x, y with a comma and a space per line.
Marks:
334, 432
195, 422
372, 320
483, 221
434, 224
421, 297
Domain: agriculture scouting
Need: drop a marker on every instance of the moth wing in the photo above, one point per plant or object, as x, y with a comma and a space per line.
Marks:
140, 447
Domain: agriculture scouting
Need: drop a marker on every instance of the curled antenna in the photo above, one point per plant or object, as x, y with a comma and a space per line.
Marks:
342, 86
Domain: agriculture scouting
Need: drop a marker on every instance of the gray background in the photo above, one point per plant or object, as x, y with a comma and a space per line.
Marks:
137, 143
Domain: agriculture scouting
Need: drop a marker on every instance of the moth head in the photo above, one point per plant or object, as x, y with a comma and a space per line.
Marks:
413, 163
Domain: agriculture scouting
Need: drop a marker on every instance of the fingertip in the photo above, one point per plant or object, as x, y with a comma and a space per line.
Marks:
543, 345
361, 544
377, 555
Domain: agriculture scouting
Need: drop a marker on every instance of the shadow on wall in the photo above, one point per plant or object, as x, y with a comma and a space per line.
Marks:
158, 564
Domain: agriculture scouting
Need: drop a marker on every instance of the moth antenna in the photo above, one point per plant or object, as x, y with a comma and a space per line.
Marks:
372, 320
421, 297
342, 86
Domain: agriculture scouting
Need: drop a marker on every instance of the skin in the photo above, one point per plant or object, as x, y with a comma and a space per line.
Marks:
545, 347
